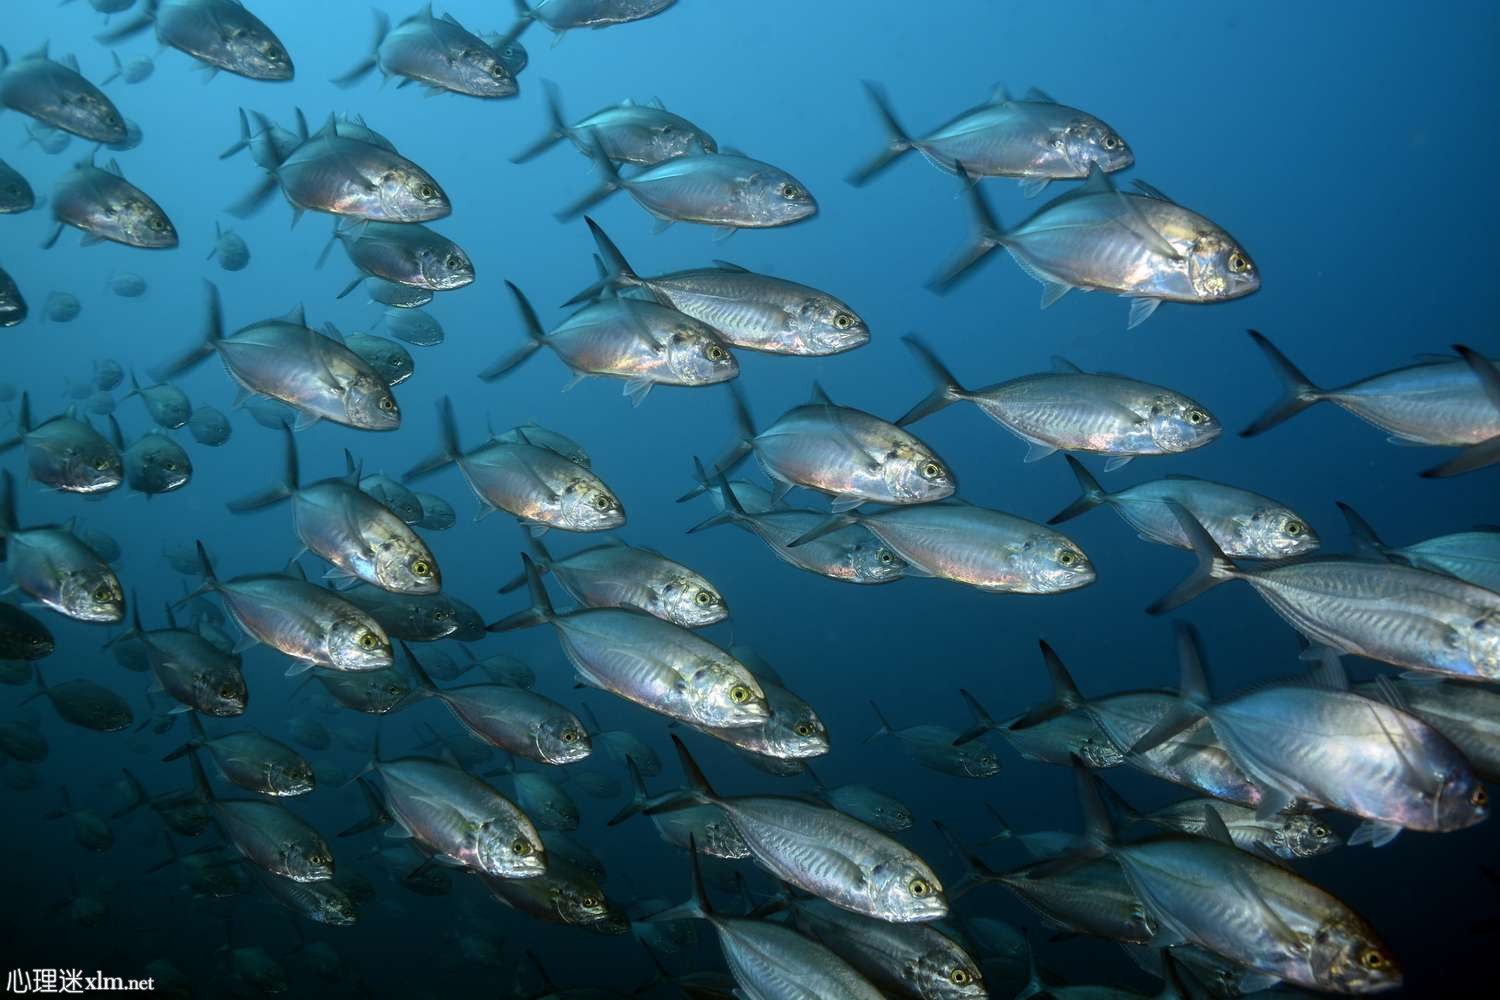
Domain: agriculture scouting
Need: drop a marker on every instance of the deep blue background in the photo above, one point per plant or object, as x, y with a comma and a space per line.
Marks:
1349, 149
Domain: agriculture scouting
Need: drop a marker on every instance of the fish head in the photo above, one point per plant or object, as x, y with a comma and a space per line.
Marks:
220, 693
722, 693
797, 735
913, 474
1483, 640
829, 326
579, 904
892, 816
93, 467
1307, 836
977, 760
696, 355
85, 111
409, 194
92, 594
871, 561
404, 566
1177, 424
1219, 268
482, 72
257, 53
513, 56
587, 505
563, 740
506, 851
776, 198
369, 403
1052, 563
335, 908
141, 222
307, 860
1087, 141
165, 468
1461, 800
907, 891
1276, 533
1344, 956
945, 973
291, 777
671, 139
690, 601
357, 643
445, 269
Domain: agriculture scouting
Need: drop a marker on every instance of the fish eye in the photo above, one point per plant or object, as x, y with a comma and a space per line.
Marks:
960, 977
739, 694
393, 690
1479, 797
1067, 557
603, 502
1320, 831
932, 470
427, 191
100, 464
1110, 142
1196, 417
104, 593
157, 223
569, 736
704, 599
1238, 263
886, 557
843, 321
387, 403
169, 465
421, 568
789, 191
440, 615
1293, 528
918, 887
226, 691
520, 848
1372, 959
367, 640
454, 260
716, 353
803, 729
497, 71
589, 902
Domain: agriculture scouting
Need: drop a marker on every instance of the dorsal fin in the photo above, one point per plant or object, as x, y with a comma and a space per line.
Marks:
1329, 673
1039, 95
1213, 826
297, 315
725, 265
1062, 364
1000, 95
113, 166
1151, 192
819, 397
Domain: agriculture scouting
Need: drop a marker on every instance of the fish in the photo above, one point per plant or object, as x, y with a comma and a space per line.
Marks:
824, 852
417, 617
266, 834
1464, 713
22, 636
390, 360
644, 343
51, 141
1032, 138
701, 827
643, 134
1472, 556
230, 248
310, 734
1322, 745
616, 575
659, 666
563, 894
346, 169
755, 311
194, 671
289, 362
55, 94
220, 34
354, 531
564, 15
517, 721
85, 704
436, 52
106, 207
1447, 402
1287, 836
986, 549
209, 426
863, 803
136, 69
716, 189
61, 307
437, 513
1139, 244
23, 741
1244, 524
50, 565
769, 960
252, 761
406, 253
936, 748
553, 441
13, 308
375, 692
850, 553
313, 626
396, 295
89, 828
1072, 410
127, 285
623, 747
1396, 614
784, 742
108, 374
537, 486
413, 326
133, 138
390, 494
15, 193
167, 404
542, 799
320, 902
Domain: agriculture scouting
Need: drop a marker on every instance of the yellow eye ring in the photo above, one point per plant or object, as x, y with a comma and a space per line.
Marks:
739, 694
960, 977
803, 729
421, 568
1238, 263
918, 887
704, 599
520, 848
843, 321
368, 640
932, 470
1372, 959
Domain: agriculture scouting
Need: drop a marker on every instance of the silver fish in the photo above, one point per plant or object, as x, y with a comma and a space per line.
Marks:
89, 828
715, 189
391, 361
437, 52
1074, 410
1468, 714
396, 498
1397, 614
563, 15
55, 94
15, 194
755, 311
644, 343
701, 827
252, 761
320, 902
65, 453
133, 70
191, 669
417, 617
1243, 523
375, 692
563, 894
1140, 244
1288, 836
536, 485
222, 34
544, 800
61, 307
781, 744
105, 206
1033, 139
154, 463
624, 748
413, 326
938, 748
437, 513
1471, 556
986, 549
863, 803
231, 249
85, 704
53, 567
359, 535
398, 296
406, 253
643, 134
127, 285
658, 665
915, 960
1439, 401
209, 426
13, 308
266, 834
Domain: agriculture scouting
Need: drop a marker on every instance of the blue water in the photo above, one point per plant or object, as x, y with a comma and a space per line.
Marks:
1349, 149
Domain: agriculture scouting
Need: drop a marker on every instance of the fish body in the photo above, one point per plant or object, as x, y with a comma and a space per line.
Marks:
55, 94
716, 189
439, 53
105, 206
221, 34
621, 576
